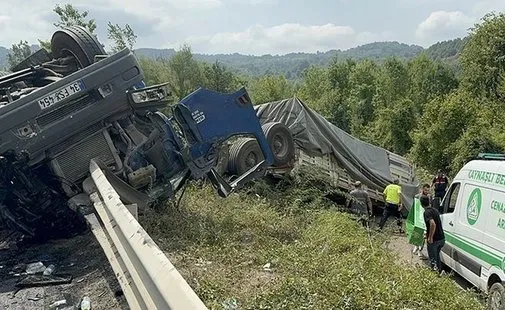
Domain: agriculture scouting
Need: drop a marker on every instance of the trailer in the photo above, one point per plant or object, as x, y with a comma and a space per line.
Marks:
340, 156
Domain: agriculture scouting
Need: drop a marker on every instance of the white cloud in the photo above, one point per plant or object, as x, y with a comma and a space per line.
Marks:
196, 4
443, 25
481, 7
35, 20
280, 39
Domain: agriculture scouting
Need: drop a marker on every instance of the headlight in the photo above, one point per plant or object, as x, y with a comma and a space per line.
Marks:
155, 93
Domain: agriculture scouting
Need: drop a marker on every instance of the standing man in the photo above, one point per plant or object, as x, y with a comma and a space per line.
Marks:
392, 194
360, 204
439, 184
425, 191
435, 236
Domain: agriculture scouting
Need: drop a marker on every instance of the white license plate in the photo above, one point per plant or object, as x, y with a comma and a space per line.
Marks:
61, 94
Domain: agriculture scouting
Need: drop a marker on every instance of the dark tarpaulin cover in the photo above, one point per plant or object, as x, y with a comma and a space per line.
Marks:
317, 136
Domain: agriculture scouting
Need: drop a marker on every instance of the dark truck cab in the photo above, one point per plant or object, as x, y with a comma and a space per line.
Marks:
60, 110
45, 122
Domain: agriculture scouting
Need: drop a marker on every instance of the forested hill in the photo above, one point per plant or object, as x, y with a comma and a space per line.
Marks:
291, 65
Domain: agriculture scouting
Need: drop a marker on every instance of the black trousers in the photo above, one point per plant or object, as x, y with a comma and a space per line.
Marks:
390, 209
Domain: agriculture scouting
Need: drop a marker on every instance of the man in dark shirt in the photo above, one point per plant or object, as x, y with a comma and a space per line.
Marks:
435, 236
439, 183
360, 204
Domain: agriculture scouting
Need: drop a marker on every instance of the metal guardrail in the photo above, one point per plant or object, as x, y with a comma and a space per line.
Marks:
147, 277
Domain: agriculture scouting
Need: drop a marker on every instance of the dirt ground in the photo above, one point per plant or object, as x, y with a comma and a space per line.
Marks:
81, 257
399, 244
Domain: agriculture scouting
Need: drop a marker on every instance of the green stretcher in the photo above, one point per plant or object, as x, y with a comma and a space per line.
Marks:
415, 225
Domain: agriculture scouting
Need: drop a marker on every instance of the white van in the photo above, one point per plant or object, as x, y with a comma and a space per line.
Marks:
473, 219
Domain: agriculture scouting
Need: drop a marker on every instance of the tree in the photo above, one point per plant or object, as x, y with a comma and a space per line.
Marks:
185, 72
45, 44
315, 84
443, 123
269, 88
392, 125
363, 83
18, 53
483, 57
122, 37
70, 16
155, 71
219, 78
429, 80
393, 82
317, 92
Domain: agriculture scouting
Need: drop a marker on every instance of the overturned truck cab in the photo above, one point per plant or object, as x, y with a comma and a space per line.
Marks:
60, 109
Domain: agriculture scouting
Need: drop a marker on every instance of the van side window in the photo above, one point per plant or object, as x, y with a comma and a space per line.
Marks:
451, 198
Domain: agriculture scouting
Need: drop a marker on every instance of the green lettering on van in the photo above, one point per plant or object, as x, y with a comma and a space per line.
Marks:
473, 206
501, 224
498, 206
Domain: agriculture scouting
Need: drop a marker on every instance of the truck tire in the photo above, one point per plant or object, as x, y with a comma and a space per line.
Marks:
78, 42
281, 142
245, 153
496, 298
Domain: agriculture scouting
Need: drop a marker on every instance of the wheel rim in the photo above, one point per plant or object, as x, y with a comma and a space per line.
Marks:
279, 145
67, 52
495, 300
251, 160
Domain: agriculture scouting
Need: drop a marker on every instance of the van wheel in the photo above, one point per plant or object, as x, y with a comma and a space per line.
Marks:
496, 298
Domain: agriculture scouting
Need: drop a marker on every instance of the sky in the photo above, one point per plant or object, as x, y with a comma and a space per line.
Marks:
257, 27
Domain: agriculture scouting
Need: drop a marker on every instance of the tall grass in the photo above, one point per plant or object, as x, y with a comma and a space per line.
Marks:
317, 256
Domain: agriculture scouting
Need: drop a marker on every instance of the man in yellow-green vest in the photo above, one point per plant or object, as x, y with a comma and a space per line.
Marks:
392, 196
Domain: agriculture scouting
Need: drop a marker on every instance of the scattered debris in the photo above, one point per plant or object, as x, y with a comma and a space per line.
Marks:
36, 298
267, 266
203, 263
41, 280
86, 303
35, 268
230, 304
79, 201
18, 268
49, 270
58, 303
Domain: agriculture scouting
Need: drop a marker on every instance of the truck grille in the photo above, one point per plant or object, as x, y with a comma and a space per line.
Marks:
73, 163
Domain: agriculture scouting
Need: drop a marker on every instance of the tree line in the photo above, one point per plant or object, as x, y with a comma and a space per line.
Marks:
437, 115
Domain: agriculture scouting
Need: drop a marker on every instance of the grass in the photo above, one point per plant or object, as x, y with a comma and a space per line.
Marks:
319, 257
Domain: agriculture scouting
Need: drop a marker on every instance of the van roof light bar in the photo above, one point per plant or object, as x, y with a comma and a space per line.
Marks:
492, 156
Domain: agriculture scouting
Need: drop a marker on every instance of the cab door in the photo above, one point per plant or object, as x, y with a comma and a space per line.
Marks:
449, 207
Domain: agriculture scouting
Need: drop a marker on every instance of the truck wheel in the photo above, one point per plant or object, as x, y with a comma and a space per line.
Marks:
281, 142
78, 42
245, 153
496, 298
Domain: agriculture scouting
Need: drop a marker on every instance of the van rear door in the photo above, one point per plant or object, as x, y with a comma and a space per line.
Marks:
449, 209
